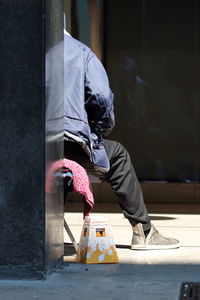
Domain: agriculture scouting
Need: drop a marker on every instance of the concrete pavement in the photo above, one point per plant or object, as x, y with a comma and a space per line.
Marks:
140, 275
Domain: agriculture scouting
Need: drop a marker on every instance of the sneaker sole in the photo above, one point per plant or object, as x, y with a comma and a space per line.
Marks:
154, 247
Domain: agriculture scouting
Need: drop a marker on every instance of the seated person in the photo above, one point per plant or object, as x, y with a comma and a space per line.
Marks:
89, 118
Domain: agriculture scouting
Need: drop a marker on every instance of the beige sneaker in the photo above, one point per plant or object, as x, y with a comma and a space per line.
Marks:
153, 241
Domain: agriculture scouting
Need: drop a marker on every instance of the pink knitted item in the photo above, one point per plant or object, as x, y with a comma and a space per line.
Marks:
81, 182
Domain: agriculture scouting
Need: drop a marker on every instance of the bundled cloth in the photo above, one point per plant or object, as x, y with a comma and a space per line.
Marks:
80, 181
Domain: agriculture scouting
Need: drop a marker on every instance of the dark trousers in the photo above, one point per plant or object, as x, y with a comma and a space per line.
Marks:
122, 178
125, 184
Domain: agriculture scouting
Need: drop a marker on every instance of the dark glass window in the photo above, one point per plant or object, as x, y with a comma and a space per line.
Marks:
152, 59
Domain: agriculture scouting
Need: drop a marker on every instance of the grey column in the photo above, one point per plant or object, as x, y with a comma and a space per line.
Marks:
31, 137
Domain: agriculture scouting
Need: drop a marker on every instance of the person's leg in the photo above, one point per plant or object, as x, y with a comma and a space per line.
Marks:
125, 184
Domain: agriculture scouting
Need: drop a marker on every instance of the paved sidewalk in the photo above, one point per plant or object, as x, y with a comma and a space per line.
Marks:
186, 228
140, 275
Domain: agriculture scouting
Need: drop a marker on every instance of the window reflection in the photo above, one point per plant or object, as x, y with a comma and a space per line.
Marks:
86, 22
153, 64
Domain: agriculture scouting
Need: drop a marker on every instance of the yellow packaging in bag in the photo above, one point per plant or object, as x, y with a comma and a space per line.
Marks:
96, 244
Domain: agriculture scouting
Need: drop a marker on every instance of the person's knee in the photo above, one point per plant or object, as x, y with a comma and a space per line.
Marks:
121, 147
116, 149
121, 150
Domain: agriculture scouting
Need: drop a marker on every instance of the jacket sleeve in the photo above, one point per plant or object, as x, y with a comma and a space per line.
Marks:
98, 97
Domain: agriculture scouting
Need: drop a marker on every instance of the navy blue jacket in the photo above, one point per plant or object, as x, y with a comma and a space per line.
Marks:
88, 101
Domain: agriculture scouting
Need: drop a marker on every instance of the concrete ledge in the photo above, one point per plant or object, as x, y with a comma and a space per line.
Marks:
154, 192
20, 272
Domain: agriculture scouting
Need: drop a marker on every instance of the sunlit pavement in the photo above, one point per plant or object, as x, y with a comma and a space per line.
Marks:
140, 275
155, 274
184, 227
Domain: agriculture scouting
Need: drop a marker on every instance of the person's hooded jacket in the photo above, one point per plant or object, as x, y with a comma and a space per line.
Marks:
88, 101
